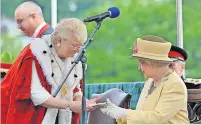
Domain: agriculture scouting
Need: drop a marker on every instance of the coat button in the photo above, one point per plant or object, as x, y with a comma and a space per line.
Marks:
75, 76
44, 52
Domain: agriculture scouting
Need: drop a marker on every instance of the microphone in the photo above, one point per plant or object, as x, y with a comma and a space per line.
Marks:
112, 12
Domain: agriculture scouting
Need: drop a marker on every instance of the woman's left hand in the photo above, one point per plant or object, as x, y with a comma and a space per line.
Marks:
114, 111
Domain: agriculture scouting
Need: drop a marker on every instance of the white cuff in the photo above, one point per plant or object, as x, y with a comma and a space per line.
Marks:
38, 93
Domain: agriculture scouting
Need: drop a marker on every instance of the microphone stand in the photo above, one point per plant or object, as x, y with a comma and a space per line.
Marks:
80, 57
84, 62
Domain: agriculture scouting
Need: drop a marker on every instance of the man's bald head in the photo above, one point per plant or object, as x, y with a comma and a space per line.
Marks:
29, 8
28, 16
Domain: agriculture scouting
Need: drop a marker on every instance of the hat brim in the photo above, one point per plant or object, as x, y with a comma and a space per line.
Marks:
160, 59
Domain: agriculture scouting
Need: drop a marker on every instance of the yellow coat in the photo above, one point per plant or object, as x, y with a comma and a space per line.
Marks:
167, 104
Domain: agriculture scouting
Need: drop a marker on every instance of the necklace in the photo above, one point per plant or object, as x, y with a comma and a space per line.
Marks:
155, 84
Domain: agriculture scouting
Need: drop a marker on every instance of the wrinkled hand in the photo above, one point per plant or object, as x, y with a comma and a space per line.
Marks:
76, 106
114, 111
90, 102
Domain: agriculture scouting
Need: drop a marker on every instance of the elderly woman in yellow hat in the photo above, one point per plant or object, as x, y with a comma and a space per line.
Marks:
164, 96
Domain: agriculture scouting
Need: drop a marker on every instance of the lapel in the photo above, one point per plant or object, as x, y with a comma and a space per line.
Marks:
46, 30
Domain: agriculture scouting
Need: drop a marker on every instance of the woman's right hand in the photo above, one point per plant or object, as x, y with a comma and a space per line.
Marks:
90, 102
76, 106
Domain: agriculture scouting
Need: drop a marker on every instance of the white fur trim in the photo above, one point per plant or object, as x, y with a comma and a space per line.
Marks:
4, 70
58, 68
79, 93
37, 47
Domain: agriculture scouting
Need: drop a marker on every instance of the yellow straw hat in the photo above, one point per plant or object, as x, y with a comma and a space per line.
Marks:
152, 47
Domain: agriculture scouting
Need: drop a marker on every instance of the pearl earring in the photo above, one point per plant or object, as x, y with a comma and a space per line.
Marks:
58, 44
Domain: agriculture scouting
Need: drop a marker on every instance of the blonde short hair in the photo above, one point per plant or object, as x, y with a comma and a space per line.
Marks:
71, 27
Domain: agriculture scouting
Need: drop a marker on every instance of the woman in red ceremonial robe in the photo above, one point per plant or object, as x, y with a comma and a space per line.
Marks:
28, 87
30, 20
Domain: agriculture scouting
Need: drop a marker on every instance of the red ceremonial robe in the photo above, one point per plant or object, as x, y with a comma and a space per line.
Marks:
16, 105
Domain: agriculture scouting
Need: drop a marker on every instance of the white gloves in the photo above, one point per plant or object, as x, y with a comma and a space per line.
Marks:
114, 111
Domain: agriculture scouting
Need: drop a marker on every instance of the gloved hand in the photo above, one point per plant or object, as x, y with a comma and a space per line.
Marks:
114, 111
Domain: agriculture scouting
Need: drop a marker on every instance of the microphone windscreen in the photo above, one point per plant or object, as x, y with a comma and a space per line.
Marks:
114, 12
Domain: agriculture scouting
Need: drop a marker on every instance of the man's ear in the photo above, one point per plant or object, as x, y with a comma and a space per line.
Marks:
33, 15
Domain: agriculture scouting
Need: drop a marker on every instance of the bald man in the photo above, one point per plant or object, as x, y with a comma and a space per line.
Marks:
30, 20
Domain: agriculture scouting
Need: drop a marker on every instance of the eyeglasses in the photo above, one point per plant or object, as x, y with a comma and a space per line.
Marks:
19, 21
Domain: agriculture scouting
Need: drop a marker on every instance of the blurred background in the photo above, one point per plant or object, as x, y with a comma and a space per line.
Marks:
108, 55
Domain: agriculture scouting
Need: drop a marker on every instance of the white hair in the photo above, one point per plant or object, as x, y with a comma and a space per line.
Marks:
157, 63
31, 7
181, 63
71, 27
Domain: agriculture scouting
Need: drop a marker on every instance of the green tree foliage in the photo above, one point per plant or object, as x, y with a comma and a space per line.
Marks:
65, 8
7, 57
75, 8
108, 55
11, 47
9, 9
192, 41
